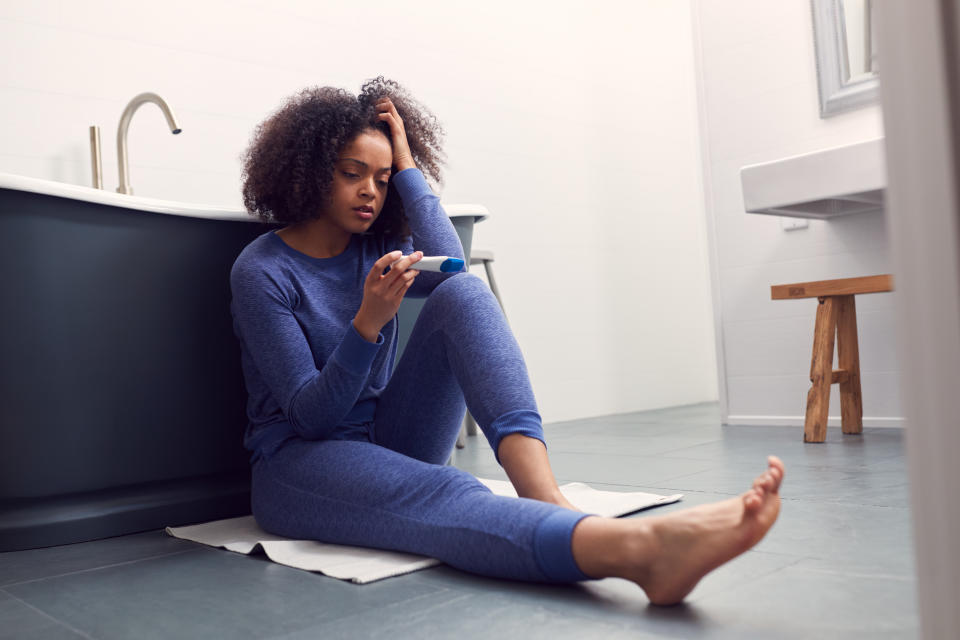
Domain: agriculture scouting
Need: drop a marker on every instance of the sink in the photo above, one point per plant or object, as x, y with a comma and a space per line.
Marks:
823, 184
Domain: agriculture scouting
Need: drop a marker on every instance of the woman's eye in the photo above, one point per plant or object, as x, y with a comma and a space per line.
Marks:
350, 175
383, 183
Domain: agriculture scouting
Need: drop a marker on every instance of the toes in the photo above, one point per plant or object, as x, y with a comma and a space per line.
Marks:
769, 482
765, 481
776, 463
777, 476
776, 470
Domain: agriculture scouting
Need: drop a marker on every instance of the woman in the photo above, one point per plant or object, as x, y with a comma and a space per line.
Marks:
346, 452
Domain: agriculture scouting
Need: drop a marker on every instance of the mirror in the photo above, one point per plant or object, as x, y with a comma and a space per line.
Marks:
846, 54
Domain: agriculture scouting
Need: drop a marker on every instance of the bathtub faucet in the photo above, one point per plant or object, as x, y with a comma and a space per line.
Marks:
132, 106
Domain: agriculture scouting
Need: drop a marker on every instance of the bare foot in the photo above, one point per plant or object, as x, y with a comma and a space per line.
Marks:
687, 545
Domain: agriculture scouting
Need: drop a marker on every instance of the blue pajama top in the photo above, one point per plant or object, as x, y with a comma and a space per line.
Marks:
307, 370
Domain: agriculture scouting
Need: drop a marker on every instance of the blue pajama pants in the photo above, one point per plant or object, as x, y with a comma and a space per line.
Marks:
385, 484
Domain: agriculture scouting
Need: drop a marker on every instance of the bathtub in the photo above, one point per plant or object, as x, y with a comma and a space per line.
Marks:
122, 403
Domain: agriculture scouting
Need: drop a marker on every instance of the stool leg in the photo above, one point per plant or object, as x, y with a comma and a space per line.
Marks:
821, 371
471, 425
848, 353
493, 284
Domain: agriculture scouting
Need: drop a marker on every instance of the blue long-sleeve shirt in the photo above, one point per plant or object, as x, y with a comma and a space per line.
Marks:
306, 368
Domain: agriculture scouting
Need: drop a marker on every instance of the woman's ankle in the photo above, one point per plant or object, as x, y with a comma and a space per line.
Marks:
525, 460
612, 547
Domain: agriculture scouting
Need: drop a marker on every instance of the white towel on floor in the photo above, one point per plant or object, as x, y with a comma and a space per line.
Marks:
362, 565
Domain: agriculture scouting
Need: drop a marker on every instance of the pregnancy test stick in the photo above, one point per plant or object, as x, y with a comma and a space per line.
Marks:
442, 264
438, 263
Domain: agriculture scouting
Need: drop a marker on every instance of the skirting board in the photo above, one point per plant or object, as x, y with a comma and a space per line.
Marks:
797, 421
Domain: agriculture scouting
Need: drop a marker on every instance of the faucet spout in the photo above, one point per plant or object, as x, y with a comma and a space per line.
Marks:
132, 106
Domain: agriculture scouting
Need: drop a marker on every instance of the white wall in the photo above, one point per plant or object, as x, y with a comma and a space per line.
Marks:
574, 122
758, 102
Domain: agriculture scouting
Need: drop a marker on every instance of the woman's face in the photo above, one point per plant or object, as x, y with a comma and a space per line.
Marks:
360, 179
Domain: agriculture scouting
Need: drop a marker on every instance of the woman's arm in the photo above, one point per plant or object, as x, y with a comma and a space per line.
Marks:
313, 400
431, 229
430, 226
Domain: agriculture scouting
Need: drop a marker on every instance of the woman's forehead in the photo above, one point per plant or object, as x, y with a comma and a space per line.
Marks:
370, 149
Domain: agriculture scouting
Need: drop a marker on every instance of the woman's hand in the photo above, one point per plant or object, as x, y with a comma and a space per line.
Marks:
382, 294
402, 158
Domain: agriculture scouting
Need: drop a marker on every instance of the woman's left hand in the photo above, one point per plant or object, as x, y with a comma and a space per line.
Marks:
402, 158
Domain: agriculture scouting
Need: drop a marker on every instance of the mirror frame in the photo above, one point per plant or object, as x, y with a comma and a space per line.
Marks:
829, 38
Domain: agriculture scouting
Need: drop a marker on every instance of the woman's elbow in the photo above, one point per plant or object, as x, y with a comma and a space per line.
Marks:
306, 425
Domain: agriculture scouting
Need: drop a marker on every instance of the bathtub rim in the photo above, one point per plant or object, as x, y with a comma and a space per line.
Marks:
139, 203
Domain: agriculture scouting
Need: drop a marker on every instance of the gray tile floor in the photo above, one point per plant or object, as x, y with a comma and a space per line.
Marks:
838, 563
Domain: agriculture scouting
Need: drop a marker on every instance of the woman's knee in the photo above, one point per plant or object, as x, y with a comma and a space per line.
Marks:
463, 291
460, 284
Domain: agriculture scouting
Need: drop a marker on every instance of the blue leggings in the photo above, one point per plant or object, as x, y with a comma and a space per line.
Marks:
385, 484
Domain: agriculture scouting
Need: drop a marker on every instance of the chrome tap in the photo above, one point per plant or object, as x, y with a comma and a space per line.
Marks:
122, 133
96, 165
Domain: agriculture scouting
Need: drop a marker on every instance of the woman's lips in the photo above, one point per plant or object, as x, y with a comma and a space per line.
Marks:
365, 214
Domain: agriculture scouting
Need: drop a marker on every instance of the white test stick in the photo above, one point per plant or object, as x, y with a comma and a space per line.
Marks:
444, 264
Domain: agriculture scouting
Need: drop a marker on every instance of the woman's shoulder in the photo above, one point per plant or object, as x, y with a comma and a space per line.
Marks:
259, 258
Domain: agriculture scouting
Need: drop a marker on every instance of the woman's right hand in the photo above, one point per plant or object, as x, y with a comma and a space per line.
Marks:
383, 293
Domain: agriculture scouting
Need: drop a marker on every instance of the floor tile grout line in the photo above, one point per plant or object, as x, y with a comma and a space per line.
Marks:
47, 615
91, 569
361, 613
755, 578
856, 574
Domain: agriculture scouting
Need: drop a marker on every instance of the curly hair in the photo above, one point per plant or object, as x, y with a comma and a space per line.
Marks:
288, 167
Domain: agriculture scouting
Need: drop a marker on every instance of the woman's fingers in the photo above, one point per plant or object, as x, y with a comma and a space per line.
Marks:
386, 104
401, 284
402, 157
382, 294
404, 263
400, 270
399, 267
376, 272
388, 112
398, 279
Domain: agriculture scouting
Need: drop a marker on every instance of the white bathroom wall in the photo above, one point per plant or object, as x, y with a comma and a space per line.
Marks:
758, 102
575, 123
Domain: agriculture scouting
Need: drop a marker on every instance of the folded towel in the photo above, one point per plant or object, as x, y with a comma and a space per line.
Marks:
362, 565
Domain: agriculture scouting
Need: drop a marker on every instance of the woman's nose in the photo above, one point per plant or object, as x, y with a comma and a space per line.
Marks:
367, 187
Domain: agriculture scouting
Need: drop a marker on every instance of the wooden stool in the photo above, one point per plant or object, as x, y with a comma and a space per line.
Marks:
836, 318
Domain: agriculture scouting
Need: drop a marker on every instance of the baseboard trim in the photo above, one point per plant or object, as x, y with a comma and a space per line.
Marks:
797, 421
31, 523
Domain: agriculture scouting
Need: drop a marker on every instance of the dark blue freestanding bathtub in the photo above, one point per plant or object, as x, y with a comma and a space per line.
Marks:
121, 396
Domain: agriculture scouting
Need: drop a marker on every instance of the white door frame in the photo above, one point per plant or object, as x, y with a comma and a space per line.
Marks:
919, 55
